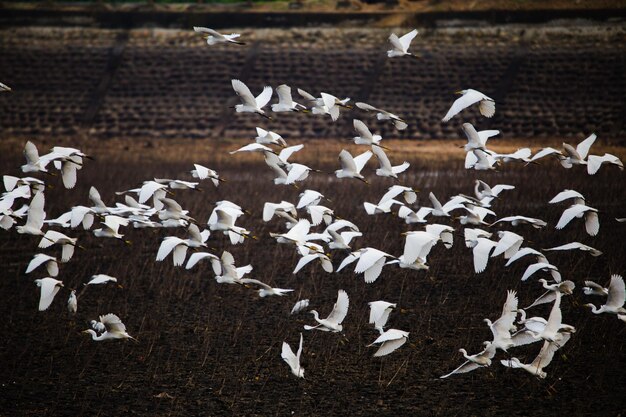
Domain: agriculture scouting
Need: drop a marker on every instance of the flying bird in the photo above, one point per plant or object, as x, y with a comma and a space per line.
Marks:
486, 105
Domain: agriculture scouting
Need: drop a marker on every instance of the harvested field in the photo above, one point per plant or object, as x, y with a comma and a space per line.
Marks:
151, 103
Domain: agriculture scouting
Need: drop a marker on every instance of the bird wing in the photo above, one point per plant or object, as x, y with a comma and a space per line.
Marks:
545, 298
377, 309
201, 171
546, 354
545, 152
348, 260
68, 174
569, 214
167, 245
255, 281
509, 313
340, 309
390, 346
361, 160
466, 366
395, 42
49, 288
209, 31
36, 215
521, 253
481, 253
509, 240
50, 238
406, 39
473, 138
306, 95
566, 195
484, 135
299, 306
347, 162
393, 192
197, 257
555, 319
463, 102
304, 261
418, 245
362, 129
583, 147
594, 162
383, 160
296, 172
366, 107
536, 267
113, 323
617, 294
265, 96
592, 222
114, 222
436, 204
367, 259
284, 94
487, 107
245, 94
289, 357
497, 189
30, 152
372, 273
38, 260
286, 153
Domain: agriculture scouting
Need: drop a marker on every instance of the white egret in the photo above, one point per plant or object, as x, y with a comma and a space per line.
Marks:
309, 197
111, 226
563, 287
202, 173
400, 45
293, 360
370, 263
114, 329
534, 326
566, 195
543, 359
486, 194
390, 340
266, 290
590, 214
540, 257
544, 267
351, 167
517, 220
508, 244
486, 105
269, 137
299, 306
397, 121
615, 299
481, 251
49, 287
251, 104
386, 169
50, 262
52, 237
501, 328
484, 161
4, 87
594, 162
323, 259
36, 216
577, 156
384, 207
473, 362
174, 184
365, 135
213, 37
285, 101
100, 279
332, 323
379, 313
593, 288
72, 303
408, 193
576, 246
10, 182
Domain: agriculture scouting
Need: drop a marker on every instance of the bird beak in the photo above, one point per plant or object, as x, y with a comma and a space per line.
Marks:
458, 92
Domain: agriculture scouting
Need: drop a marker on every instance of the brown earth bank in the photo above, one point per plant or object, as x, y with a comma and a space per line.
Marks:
210, 349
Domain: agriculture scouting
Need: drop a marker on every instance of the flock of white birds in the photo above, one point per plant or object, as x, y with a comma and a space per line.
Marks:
149, 206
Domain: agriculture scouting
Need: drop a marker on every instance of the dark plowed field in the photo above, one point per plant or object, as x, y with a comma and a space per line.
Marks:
548, 81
